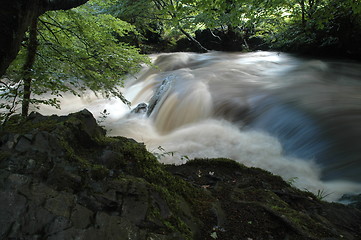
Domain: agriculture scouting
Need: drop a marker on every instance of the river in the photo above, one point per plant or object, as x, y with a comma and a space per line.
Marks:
296, 117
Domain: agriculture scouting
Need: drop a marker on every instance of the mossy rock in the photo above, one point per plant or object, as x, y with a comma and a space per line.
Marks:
250, 203
87, 162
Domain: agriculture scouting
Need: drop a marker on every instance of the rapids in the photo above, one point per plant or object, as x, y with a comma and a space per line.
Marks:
295, 117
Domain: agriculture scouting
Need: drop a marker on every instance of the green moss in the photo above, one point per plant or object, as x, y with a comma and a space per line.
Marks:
175, 191
226, 163
263, 196
221, 162
73, 155
301, 221
98, 172
20, 126
174, 222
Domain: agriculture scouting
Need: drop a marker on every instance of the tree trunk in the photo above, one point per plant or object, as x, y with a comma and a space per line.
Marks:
28, 66
198, 44
303, 12
16, 16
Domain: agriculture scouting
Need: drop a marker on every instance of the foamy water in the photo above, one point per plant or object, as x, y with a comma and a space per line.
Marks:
266, 110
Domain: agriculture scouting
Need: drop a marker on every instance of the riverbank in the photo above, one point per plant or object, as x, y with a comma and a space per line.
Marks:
62, 178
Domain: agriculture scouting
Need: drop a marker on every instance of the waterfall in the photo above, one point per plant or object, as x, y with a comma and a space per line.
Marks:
297, 118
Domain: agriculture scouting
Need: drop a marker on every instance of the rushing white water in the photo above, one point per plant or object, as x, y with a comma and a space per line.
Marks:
294, 117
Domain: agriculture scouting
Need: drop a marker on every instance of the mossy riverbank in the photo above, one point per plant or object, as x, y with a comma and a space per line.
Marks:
62, 178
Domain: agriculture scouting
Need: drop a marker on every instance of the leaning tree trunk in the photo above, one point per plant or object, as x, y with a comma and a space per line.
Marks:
193, 40
28, 66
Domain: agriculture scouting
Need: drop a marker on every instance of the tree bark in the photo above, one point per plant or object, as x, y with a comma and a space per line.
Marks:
62, 4
198, 44
16, 16
303, 13
28, 66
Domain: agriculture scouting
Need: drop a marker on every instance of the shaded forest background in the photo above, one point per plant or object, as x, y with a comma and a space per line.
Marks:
60, 48
317, 27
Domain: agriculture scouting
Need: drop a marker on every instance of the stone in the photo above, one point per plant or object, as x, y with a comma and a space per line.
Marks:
81, 217
12, 207
23, 145
64, 179
60, 204
17, 180
70, 233
35, 220
88, 124
11, 140
58, 224
142, 108
38, 193
115, 227
135, 202
112, 159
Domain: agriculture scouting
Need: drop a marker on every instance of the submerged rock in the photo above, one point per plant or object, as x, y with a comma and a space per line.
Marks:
62, 178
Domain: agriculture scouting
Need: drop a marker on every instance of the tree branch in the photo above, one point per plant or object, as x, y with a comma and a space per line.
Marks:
62, 4
198, 44
16, 17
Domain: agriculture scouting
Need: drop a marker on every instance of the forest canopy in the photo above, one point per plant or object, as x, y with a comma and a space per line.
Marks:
95, 45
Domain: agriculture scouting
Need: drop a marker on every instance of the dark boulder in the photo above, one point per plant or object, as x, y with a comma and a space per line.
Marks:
61, 178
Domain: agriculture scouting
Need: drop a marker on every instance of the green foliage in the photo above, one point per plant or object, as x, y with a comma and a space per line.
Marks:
322, 194
162, 153
84, 48
78, 49
324, 26
143, 14
171, 18
296, 25
9, 96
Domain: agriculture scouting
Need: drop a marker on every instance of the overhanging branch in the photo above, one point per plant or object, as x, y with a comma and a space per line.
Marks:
62, 4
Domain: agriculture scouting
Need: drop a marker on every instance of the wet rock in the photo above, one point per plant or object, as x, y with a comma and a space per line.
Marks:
159, 94
140, 109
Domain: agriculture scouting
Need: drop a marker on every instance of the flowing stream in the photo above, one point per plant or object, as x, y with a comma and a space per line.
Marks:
297, 118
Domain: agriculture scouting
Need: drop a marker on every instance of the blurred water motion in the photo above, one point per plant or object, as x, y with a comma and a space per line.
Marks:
296, 117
